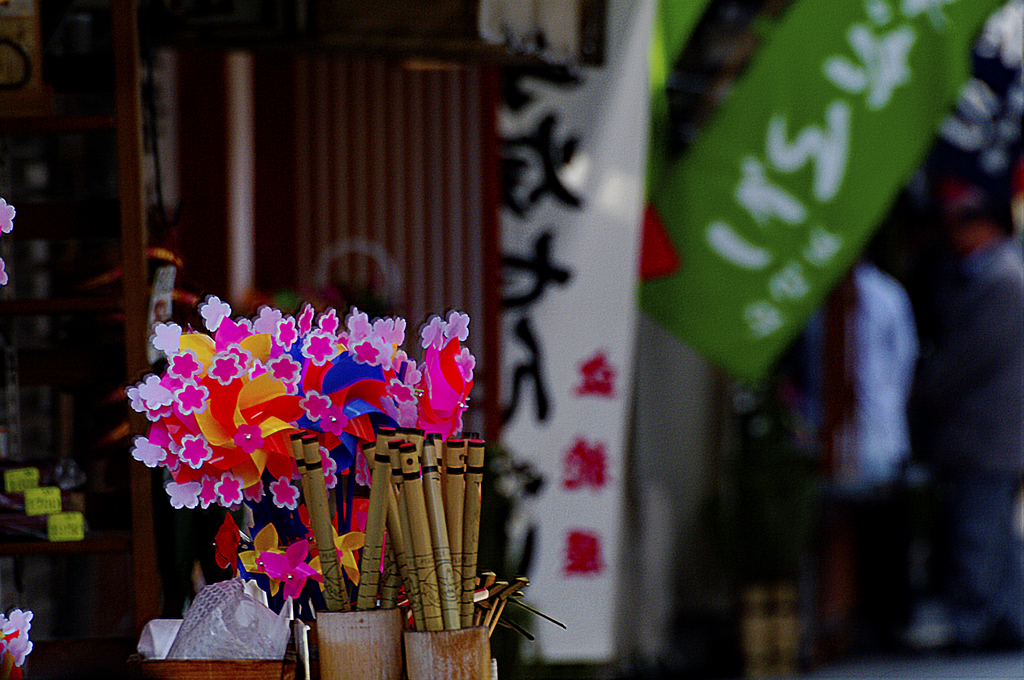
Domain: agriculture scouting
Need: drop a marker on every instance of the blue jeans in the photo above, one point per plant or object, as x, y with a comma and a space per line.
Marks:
984, 557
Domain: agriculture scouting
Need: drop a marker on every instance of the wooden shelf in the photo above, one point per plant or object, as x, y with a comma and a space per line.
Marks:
51, 124
59, 306
97, 218
110, 542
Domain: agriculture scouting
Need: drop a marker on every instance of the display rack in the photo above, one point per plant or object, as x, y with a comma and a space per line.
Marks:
120, 311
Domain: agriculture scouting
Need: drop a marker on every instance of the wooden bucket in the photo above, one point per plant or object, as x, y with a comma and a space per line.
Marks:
360, 645
463, 654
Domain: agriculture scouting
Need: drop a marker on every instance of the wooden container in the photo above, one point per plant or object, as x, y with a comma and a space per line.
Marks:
360, 645
463, 654
177, 669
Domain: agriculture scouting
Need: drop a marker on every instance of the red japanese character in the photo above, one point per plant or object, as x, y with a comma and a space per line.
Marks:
585, 466
598, 376
583, 554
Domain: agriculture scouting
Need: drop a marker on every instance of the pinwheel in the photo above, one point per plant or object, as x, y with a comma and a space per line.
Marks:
14, 643
7, 213
289, 569
225, 411
447, 374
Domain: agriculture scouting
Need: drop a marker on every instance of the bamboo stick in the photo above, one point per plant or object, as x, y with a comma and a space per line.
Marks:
447, 588
423, 552
471, 526
314, 489
380, 487
410, 576
455, 463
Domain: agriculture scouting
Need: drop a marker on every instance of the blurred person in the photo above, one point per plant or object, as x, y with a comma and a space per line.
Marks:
969, 407
882, 354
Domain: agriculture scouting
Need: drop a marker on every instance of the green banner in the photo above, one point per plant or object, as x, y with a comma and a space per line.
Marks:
673, 25
778, 196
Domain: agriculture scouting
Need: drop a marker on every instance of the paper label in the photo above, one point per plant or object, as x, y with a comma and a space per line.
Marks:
65, 526
17, 481
42, 500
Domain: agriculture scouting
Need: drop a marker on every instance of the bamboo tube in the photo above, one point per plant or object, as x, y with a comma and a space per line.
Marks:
369, 568
446, 586
455, 463
423, 551
471, 526
410, 576
396, 540
314, 489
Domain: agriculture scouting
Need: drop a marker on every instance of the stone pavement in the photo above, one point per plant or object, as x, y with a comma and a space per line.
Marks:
993, 666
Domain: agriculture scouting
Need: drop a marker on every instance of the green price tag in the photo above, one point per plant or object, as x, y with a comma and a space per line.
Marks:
42, 500
16, 481
65, 526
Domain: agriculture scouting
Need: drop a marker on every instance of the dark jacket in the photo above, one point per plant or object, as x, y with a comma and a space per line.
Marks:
969, 391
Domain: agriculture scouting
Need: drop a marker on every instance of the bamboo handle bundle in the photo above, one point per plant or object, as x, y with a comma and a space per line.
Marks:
471, 527
314, 488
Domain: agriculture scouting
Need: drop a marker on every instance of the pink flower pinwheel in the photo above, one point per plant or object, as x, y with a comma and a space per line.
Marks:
214, 311
331, 468
229, 490
328, 322
466, 363
400, 391
286, 332
195, 450
319, 347
457, 326
358, 325
19, 648
18, 622
7, 213
248, 438
284, 494
315, 405
166, 337
192, 398
306, 319
267, 319
291, 568
208, 491
432, 333
226, 367
334, 420
148, 453
185, 365
286, 370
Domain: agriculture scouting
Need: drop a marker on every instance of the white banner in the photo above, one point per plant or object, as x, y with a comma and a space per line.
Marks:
574, 162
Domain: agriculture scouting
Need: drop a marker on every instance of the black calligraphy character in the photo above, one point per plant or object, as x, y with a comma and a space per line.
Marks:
541, 269
518, 97
526, 370
552, 157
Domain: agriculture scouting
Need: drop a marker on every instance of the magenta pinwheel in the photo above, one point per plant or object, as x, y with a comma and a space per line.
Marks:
290, 569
